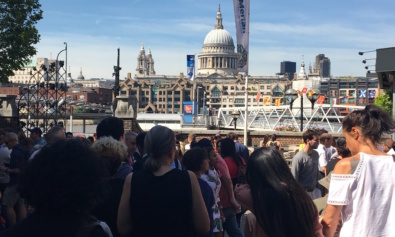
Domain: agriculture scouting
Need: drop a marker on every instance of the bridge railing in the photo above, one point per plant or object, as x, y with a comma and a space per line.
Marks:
282, 118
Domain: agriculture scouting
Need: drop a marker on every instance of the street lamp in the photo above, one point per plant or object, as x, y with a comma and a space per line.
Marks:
291, 95
313, 96
235, 116
198, 92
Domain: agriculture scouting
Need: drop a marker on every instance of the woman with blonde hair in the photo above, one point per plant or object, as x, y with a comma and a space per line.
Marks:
113, 153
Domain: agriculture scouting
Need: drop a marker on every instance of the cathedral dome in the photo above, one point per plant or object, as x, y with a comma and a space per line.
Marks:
219, 36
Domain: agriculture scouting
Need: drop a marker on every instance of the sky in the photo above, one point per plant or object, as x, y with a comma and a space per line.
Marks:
286, 30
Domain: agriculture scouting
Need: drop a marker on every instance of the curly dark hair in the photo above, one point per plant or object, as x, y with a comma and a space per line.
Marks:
194, 158
66, 177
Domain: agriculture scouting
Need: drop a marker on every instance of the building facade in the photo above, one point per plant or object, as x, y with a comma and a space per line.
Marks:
288, 68
217, 83
322, 66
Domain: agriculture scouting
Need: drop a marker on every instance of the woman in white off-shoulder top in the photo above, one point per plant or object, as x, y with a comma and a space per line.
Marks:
362, 187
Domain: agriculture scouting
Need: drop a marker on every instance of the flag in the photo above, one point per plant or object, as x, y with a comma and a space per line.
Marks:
311, 92
242, 19
321, 99
266, 100
362, 94
304, 90
258, 96
332, 101
372, 94
277, 102
191, 66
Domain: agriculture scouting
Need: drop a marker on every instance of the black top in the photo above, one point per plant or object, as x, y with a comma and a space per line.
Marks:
161, 205
139, 164
51, 225
107, 210
19, 156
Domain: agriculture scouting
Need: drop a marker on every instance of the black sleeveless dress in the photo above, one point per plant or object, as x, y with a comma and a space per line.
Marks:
161, 205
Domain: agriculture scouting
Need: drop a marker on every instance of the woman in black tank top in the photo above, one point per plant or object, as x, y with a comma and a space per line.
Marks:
160, 201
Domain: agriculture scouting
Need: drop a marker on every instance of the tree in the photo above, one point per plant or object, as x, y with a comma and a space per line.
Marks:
18, 34
384, 101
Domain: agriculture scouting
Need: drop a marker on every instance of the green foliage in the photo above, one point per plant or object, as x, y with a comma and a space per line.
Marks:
384, 101
18, 34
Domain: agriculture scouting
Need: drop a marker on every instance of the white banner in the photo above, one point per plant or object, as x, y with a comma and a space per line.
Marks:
242, 18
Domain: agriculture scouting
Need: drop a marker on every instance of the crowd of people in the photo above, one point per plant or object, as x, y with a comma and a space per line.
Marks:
156, 184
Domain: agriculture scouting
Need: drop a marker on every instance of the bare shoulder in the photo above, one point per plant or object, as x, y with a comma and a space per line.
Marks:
191, 175
343, 166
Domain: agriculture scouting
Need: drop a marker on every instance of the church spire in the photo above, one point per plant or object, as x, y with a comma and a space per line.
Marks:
219, 25
142, 46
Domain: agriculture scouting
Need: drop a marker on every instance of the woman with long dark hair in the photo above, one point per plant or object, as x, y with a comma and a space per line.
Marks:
236, 164
281, 206
159, 200
362, 187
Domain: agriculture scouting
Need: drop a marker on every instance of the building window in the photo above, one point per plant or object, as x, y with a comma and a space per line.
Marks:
230, 100
278, 92
232, 87
215, 92
123, 92
351, 93
225, 88
223, 100
268, 87
239, 101
343, 93
262, 87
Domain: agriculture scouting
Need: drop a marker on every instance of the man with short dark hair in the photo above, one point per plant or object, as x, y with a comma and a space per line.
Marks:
69, 135
53, 135
39, 142
110, 126
130, 142
305, 164
325, 151
241, 149
138, 165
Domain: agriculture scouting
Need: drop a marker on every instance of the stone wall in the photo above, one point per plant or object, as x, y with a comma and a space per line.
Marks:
254, 137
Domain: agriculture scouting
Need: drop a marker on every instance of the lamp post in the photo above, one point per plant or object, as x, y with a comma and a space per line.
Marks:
313, 96
197, 91
204, 108
291, 95
235, 116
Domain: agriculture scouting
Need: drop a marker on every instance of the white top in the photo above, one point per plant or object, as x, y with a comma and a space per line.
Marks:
322, 156
391, 152
367, 197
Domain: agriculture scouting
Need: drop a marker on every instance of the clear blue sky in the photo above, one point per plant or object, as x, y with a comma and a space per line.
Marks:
279, 30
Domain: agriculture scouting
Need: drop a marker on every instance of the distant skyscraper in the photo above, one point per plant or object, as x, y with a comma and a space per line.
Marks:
289, 68
322, 65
